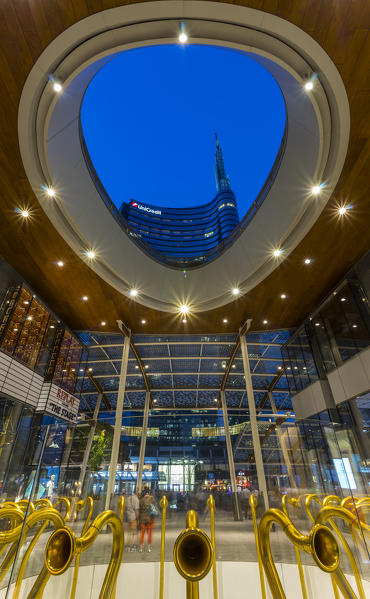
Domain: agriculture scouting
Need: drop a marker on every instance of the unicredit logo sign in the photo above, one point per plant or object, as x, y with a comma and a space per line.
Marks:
145, 208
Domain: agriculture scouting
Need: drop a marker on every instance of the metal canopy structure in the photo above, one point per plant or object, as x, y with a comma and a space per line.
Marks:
186, 372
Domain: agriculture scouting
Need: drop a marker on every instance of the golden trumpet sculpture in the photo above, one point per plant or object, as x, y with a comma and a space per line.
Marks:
193, 555
80, 506
63, 546
320, 543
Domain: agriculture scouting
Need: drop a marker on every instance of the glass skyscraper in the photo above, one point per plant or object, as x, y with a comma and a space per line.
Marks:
186, 236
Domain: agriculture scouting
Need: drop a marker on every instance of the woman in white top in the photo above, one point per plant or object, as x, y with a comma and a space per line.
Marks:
132, 516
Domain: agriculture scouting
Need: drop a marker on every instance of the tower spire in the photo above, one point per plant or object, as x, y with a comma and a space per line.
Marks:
222, 182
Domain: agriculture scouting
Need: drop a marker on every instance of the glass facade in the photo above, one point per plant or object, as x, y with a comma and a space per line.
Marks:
335, 332
186, 456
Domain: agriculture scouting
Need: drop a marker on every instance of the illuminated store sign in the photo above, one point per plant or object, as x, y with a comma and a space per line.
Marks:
145, 208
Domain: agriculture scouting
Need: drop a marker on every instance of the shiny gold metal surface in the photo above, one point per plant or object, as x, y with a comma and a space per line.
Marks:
63, 545
253, 504
80, 506
293, 501
46, 515
320, 543
66, 502
60, 551
193, 554
326, 515
211, 506
163, 504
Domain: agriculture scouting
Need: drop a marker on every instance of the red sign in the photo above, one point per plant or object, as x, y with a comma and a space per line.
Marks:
66, 397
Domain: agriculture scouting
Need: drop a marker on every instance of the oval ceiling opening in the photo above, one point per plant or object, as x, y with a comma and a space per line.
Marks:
149, 119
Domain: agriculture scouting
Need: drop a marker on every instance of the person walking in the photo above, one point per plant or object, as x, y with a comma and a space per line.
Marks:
146, 519
132, 515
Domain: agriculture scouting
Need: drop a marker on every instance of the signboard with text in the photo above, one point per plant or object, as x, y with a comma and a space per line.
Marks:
59, 403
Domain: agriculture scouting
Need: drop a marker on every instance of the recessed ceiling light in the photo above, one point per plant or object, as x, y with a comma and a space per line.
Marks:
60, 263
317, 324
184, 309
50, 192
283, 296
307, 261
64, 370
233, 366
276, 253
90, 254
354, 326
146, 366
288, 368
316, 190
265, 322
342, 299
29, 317
133, 292
215, 400
308, 85
184, 320
279, 367
52, 326
103, 323
143, 321
155, 400
304, 367
25, 213
136, 366
26, 302
342, 210
90, 369
81, 369
224, 320
183, 38
57, 87
15, 329
236, 291
223, 365
85, 298
295, 367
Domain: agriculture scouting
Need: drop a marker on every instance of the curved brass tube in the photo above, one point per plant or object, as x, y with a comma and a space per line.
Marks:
26, 505
211, 507
15, 515
63, 545
294, 502
163, 504
43, 502
193, 555
349, 502
67, 503
326, 514
80, 506
47, 514
331, 500
253, 504
121, 506
307, 500
320, 543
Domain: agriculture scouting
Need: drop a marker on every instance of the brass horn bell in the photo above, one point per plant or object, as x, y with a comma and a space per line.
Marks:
192, 554
60, 551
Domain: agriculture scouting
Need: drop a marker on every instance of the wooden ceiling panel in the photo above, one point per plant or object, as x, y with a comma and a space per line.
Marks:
34, 247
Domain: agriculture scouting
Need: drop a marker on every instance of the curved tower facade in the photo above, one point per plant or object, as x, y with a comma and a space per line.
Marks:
185, 236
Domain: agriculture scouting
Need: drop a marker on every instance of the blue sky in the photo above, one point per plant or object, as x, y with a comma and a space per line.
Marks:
149, 118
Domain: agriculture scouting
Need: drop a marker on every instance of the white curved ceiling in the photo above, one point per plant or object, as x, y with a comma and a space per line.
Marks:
318, 129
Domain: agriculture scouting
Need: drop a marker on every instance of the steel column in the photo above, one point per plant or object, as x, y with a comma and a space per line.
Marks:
253, 420
89, 443
117, 423
282, 444
139, 480
230, 458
